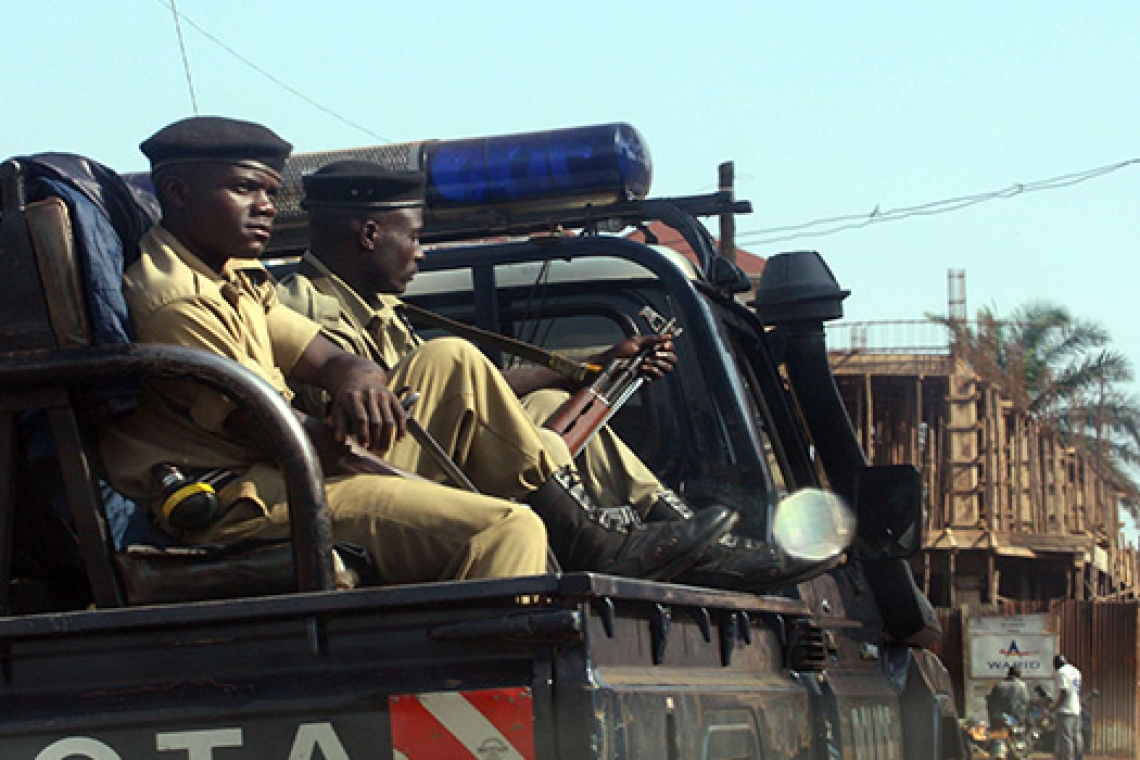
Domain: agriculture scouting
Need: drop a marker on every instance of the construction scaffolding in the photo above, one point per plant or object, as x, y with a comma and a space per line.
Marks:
1012, 511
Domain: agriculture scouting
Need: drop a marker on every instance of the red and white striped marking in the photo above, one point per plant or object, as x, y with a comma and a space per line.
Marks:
488, 724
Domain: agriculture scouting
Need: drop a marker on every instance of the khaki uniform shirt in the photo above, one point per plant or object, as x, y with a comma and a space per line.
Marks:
176, 299
375, 329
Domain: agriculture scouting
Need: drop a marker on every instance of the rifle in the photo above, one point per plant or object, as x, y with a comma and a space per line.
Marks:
357, 459
592, 407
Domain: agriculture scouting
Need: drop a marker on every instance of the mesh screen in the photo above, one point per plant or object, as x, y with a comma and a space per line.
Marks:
394, 156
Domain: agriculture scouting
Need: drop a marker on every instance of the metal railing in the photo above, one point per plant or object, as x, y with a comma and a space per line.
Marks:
902, 336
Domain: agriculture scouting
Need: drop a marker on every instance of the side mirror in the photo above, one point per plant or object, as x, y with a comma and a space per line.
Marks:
888, 511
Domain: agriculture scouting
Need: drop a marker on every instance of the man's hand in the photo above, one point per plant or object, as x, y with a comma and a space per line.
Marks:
659, 361
363, 406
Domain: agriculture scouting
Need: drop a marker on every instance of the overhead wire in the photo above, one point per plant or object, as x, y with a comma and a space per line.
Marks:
836, 224
831, 225
185, 59
170, 5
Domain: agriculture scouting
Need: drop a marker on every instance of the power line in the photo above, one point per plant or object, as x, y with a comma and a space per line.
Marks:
297, 93
836, 224
185, 60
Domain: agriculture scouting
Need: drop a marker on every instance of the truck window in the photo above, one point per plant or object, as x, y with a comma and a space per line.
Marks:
688, 427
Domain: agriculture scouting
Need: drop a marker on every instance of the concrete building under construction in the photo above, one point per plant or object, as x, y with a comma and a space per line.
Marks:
1013, 513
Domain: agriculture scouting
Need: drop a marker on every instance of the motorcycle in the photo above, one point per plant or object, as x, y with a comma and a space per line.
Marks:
1007, 738
974, 732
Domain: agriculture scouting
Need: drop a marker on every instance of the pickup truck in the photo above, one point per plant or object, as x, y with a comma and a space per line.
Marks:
116, 652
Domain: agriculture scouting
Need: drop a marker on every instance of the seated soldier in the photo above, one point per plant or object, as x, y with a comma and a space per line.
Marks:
197, 283
364, 250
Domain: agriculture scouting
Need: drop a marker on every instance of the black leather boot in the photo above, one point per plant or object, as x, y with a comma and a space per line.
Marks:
734, 562
614, 541
737, 563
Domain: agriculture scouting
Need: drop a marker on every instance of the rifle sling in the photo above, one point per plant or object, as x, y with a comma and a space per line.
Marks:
579, 372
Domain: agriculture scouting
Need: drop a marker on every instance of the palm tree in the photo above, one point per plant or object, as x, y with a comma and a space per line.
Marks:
1059, 370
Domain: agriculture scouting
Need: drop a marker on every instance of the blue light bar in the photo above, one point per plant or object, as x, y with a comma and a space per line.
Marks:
600, 164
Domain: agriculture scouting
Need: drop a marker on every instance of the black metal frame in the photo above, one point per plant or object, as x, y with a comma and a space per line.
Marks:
284, 437
290, 232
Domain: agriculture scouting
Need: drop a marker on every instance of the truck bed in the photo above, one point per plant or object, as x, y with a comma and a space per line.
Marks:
542, 659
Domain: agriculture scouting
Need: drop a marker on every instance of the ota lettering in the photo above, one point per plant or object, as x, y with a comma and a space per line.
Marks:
312, 741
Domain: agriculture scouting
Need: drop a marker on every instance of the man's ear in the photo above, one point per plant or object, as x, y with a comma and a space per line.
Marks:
172, 189
368, 235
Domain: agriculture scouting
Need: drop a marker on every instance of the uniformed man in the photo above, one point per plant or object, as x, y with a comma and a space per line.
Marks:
195, 285
328, 286
198, 283
365, 222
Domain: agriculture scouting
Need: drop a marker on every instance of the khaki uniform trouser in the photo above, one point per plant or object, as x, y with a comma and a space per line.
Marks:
498, 442
415, 531
419, 531
611, 473
467, 406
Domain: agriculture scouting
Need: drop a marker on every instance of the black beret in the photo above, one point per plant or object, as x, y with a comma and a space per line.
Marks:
216, 138
363, 184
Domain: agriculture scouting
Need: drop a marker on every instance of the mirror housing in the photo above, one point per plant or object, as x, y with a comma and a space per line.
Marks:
888, 510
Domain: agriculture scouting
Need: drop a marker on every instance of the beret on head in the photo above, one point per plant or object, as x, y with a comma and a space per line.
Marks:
216, 139
363, 184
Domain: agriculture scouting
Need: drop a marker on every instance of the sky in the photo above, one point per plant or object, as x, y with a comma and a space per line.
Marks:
872, 112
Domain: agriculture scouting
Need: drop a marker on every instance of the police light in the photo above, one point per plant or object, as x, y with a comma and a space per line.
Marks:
599, 164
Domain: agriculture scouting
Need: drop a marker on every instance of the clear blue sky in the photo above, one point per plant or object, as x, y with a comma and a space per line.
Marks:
827, 110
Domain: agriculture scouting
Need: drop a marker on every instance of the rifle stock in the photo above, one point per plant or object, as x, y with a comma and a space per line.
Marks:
358, 460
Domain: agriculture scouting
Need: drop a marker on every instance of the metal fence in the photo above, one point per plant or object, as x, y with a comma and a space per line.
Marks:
1100, 639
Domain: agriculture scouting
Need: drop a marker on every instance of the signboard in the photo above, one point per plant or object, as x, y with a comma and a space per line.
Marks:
996, 643
993, 644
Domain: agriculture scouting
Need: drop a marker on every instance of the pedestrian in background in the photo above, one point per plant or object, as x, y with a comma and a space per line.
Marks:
1067, 710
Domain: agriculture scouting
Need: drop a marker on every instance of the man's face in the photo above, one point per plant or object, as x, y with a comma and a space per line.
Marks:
392, 250
222, 211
